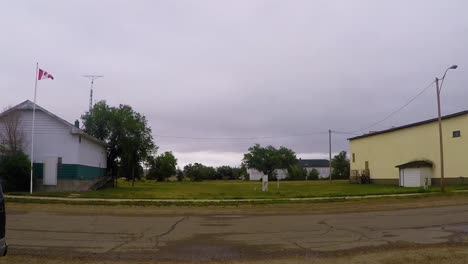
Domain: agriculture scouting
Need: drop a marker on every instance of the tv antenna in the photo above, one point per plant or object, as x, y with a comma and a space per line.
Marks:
92, 78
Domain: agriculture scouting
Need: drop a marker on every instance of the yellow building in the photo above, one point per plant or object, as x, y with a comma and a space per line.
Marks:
410, 154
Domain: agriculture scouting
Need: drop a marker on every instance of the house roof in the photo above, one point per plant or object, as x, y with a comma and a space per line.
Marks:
415, 164
409, 125
307, 163
28, 105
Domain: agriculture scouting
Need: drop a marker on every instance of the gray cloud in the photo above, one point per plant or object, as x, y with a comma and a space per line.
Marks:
239, 68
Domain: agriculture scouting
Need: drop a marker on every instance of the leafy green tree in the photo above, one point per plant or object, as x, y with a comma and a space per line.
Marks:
313, 174
15, 168
296, 173
209, 173
199, 172
243, 172
236, 173
268, 159
340, 166
163, 167
127, 134
224, 173
179, 174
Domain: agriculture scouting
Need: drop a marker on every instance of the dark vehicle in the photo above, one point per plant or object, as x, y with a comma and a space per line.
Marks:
3, 245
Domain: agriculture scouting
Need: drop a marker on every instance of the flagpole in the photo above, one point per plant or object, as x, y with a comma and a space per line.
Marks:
32, 132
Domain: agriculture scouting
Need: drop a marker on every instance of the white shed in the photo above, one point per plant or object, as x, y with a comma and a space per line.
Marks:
65, 157
415, 173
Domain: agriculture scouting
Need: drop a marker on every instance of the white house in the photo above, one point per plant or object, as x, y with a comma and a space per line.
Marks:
321, 165
256, 175
65, 157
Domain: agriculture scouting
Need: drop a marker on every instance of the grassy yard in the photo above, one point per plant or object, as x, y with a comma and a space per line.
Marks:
242, 190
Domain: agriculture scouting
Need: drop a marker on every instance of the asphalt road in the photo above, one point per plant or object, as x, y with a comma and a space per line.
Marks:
229, 236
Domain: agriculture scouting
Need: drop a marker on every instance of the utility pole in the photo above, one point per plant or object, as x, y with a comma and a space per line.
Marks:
329, 155
442, 178
441, 143
92, 78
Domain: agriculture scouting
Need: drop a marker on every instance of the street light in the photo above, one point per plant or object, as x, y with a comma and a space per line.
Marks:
442, 179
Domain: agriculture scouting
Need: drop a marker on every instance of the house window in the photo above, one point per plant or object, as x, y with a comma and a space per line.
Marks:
354, 157
456, 133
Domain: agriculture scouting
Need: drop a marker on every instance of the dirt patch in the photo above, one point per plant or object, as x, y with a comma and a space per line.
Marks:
456, 254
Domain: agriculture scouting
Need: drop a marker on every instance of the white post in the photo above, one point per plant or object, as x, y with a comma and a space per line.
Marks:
265, 183
32, 132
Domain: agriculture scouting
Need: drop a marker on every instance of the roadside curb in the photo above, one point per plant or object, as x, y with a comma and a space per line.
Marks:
117, 200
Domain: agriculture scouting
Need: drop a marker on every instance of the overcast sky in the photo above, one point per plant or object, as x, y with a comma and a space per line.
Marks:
253, 71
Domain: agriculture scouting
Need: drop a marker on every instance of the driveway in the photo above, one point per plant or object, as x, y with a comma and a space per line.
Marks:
229, 236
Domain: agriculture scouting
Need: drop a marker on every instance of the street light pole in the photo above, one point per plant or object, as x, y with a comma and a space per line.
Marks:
442, 179
329, 155
441, 143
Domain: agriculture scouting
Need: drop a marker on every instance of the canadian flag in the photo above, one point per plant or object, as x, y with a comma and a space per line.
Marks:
44, 75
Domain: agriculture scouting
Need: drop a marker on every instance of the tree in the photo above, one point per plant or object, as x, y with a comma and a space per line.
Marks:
15, 168
163, 167
340, 166
268, 159
296, 173
313, 174
12, 137
224, 173
236, 173
127, 134
243, 172
199, 172
179, 174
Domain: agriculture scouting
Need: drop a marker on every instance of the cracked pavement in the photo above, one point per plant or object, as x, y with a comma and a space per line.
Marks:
235, 236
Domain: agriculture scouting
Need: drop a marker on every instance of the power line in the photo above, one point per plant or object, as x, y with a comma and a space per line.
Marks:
353, 132
240, 138
344, 133
394, 112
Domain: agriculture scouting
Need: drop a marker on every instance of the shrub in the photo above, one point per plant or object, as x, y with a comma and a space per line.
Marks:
199, 172
180, 175
313, 174
296, 173
15, 169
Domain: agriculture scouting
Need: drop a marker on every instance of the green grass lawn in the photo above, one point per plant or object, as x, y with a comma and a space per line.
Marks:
243, 190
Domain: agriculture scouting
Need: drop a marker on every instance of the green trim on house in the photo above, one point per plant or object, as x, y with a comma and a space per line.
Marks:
71, 172
79, 172
38, 170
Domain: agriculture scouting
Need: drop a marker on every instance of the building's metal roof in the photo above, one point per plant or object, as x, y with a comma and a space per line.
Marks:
416, 164
28, 105
409, 125
317, 163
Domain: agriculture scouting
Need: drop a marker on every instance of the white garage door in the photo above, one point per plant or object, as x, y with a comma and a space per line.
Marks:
410, 177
